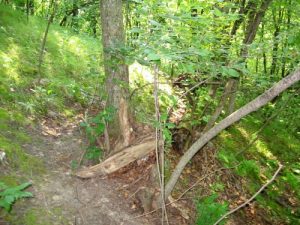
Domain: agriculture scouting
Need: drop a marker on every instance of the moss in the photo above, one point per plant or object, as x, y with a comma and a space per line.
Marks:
18, 159
36, 216
33, 216
11, 180
22, 137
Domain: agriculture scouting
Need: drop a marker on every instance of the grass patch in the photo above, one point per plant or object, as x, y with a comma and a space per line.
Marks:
70, 72
37, 216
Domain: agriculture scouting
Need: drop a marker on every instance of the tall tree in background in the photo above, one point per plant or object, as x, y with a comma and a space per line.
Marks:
117, 75
52, 7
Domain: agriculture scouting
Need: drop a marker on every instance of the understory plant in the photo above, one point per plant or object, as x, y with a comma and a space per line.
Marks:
8, 195
209, 210
94, 128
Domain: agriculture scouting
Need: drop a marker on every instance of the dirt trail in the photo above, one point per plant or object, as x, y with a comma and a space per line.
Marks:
65, 199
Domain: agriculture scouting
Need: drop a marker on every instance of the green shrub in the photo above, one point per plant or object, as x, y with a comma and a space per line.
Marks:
209, 211
248, 168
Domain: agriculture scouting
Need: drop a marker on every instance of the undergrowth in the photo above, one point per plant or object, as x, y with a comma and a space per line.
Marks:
70, 77
209, 210
257, 163
69, 70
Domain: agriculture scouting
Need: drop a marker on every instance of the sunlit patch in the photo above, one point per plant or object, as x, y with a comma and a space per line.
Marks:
136, 70
263, 149
139, 72
10, 62
260, 146
74, 45
243, 132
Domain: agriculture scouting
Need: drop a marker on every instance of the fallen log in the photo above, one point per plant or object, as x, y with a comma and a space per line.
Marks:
119, 160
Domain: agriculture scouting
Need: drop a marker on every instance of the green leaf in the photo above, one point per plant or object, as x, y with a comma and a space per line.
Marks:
233, 73
74, 164
164, 117
11, 194
9, 199
135, 30
93, 152
5, 205
14, 190
170, 125
153, 57
3, 186
217, 12
155, 23
167, 135
82, 124
100, 129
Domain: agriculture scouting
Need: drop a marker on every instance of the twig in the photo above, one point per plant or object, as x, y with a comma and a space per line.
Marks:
187, 190
133, 183
253, 197
195, 86
140, 188
85, 119
202, 178
172, 83
159, 151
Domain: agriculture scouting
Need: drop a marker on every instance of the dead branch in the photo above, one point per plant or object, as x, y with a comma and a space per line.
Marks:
119, 160
183, 193
253, 197
159, 150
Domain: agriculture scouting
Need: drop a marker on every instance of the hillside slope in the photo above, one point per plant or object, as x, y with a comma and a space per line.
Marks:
39, 129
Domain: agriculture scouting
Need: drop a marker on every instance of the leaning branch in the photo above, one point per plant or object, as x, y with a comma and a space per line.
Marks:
228, 121
253, 197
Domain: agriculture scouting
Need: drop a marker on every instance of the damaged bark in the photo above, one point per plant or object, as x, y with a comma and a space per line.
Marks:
119, 160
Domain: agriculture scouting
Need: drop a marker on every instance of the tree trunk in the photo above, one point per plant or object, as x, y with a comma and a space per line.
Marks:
41, 56
27, 10
75, 11
229, 120
277, 24
220, 106
255, 18
288, 24
117, 75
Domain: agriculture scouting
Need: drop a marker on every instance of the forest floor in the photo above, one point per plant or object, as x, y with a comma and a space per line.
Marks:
46, 154
61, 198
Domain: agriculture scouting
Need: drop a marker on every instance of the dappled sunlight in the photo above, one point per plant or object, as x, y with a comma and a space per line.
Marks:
143, 74
74, 44
259, 145
75, 53
185, 64
137, 71
244, 133
263, 149
10, 62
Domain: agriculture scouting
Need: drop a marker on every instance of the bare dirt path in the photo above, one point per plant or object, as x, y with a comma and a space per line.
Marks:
62, 198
